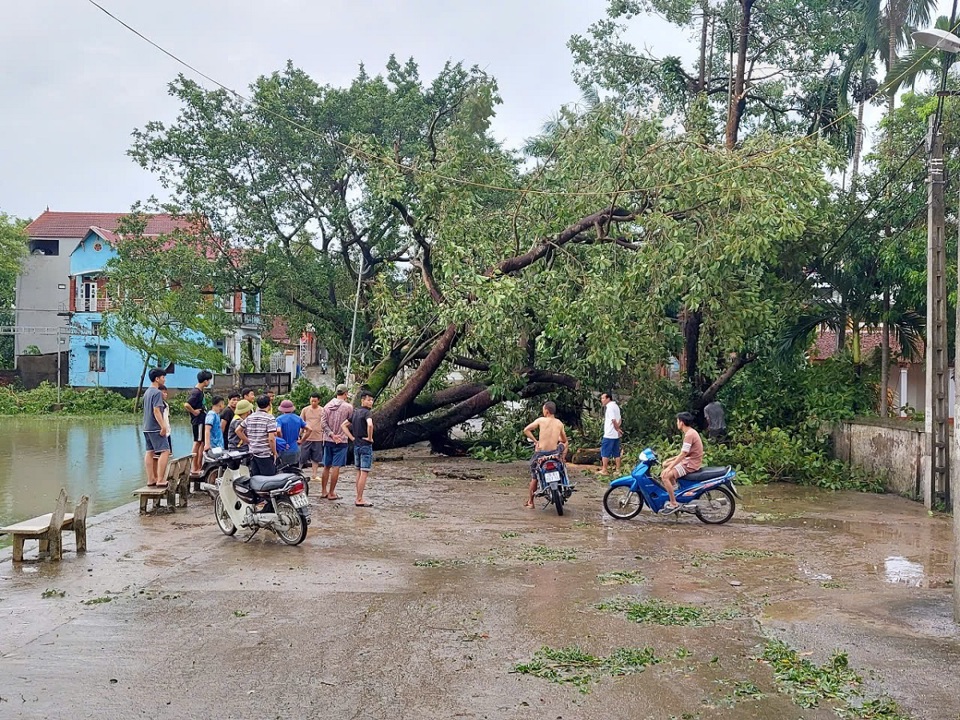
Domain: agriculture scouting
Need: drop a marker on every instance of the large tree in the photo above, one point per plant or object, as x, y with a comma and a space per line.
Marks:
757, 61
524, 277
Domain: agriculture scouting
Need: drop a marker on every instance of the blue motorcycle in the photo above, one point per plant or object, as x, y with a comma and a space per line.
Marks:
707, 493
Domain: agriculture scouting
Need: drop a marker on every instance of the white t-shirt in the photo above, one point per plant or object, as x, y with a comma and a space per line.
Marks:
611, 413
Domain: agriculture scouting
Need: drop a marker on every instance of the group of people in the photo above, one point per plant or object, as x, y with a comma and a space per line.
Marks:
319, 435
551, 439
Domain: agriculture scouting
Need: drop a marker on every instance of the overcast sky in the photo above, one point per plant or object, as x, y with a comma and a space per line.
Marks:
74, 83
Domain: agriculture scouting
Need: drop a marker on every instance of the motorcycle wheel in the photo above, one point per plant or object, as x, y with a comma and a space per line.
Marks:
296, 532
223, 518
622, 503
716, 506
558, 500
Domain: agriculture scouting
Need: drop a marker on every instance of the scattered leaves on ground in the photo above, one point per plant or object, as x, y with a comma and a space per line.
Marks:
542, 554
620, 577
434, 563
659, 612
809, 684
53, 593
508, 535
97, 600
240, 613
417, 515
574, 666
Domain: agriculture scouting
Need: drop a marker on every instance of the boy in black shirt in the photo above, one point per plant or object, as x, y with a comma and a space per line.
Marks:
195, 408
360, 430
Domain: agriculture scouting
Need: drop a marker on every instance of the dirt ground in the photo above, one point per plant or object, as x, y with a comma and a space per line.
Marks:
424, 606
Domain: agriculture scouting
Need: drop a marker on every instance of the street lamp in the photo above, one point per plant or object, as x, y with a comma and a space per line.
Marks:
936, 314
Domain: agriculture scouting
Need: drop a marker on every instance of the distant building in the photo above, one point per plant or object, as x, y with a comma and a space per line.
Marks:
64, 281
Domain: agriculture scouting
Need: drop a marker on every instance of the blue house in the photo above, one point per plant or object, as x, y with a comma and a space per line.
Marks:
98, 361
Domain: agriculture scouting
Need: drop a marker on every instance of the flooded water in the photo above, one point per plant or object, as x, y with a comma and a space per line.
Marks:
101, 458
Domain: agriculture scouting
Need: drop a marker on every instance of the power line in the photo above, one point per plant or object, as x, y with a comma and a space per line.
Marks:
487, 186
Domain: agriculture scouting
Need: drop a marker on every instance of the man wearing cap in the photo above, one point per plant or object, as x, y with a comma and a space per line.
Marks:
335, 413
290, 427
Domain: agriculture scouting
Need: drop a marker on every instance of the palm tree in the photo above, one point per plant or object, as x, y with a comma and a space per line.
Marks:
917, 64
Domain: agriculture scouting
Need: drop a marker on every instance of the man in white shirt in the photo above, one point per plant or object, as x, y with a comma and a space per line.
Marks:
612, 432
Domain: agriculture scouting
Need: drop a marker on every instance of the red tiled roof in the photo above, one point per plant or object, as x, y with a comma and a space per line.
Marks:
279, 332
75, 225
825, 345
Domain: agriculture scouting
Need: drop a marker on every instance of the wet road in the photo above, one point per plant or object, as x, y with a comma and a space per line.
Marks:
422, 606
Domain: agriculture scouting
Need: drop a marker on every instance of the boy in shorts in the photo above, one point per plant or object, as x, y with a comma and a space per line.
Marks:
360, 431
690, 459
552, 440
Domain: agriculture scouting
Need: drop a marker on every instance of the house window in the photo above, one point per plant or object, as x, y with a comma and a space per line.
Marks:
96, 327
87, 300
98, 360
252, 303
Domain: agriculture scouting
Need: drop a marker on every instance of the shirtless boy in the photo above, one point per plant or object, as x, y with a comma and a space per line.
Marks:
552, 441
688, 460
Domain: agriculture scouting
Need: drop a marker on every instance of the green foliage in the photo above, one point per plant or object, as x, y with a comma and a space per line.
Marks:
31, 350
775, 454
660, 612
541, 554
42, 400
50, 593
650, 413
620, 577
163, 291
810, 684
13, 249
303, 389
573, 666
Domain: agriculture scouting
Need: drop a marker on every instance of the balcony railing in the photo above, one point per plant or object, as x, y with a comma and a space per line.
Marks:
85, 304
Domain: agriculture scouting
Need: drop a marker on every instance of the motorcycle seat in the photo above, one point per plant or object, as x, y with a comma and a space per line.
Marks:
266, 483
706, 473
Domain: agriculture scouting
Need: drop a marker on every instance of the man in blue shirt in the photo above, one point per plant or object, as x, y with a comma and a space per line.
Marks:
290, 427
212, 431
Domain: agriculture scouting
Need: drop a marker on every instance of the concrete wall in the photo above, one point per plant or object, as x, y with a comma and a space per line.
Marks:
40, 298
893, 449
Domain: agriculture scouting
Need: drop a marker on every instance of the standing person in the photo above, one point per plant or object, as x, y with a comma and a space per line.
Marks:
213, 430
311, 448
688, 460
335, 413
551, 440
271, 394
612, 432
194, 407
290, 427
234, 442
156, 431
716, 424
250, 395
226, 417
259, 432
359, 429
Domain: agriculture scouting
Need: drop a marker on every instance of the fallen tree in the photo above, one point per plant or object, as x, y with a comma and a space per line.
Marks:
488, 276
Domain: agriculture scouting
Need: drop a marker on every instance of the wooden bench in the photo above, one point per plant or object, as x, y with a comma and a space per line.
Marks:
174, 493
48, 529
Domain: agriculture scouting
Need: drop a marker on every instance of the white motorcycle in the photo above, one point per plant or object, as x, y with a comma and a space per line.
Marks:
276, 502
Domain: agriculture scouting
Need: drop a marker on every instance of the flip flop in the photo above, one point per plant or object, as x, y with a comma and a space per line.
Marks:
335, 497
161, 485
366, 504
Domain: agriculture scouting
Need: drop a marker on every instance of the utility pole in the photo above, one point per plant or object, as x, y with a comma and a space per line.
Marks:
936, 416
955, 476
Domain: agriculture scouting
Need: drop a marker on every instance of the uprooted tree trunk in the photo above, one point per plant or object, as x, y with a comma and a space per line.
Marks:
412, 415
